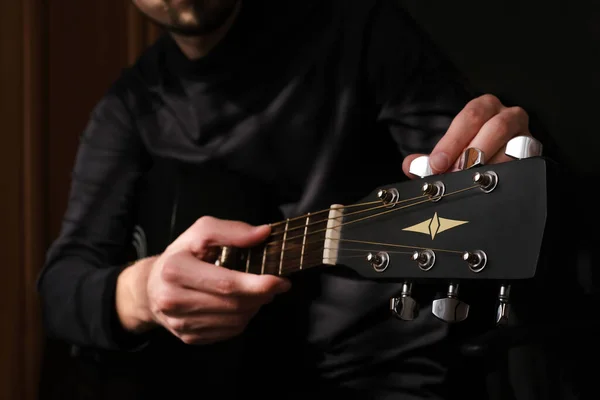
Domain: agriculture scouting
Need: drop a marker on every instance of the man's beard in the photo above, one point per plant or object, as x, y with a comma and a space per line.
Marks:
206, 23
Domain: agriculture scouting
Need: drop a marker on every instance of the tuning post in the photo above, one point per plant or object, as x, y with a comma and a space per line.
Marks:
487, 181
503, 311
450, 309
379, 261
425, 259
476, 260
435, 191
405, 307
389, 197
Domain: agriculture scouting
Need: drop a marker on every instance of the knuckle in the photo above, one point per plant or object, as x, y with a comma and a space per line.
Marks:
491, 101
501, 126
518, 113
235, 304
204, 222
191, 339
165, 302
169, 271
475, 114
178, 324
225, 287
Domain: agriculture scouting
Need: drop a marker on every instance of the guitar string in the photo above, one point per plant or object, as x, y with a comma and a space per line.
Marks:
278, 251
279, 223
383, 246
363, 218
319, 251
289, 268
311, 223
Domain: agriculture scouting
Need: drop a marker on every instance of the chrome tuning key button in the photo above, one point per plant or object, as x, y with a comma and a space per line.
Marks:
425, 259
420, 167
450, 309
487, 181
379, 261
524, 146
471, 157
503, 310
405, 307
476, 260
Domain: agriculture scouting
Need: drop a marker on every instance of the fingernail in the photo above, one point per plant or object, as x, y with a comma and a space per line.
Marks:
439, 161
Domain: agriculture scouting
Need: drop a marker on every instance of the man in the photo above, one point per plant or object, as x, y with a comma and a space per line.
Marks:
246, 113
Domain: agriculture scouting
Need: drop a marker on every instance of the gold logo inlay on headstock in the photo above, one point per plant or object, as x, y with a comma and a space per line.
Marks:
435, 225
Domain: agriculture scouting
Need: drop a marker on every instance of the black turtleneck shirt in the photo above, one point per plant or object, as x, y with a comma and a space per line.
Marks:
303, 104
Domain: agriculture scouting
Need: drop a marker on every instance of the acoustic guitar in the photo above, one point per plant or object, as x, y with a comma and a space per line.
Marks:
480, 223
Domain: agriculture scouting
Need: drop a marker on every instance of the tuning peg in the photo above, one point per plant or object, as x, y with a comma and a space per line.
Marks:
405, 307
503, 311
471, 157
420, 167
521, 147
450, 308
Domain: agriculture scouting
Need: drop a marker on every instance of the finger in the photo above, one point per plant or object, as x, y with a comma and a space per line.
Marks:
206, 323
184, 270
462, 130
496, 132
209, 336
209, 232
175, 301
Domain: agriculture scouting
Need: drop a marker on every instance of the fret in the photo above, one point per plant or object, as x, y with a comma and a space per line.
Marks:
248, 260
264, 259
293, 245
287, 222
304, 240
296, 244
313, 239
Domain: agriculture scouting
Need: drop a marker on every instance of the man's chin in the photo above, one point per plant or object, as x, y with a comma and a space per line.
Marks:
189, 30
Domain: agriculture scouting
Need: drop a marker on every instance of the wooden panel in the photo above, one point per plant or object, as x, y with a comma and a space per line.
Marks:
88, 45
33, 218
56, 61
87, 48
11, 284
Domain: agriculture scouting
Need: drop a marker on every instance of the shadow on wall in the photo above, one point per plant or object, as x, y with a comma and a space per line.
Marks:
544, 56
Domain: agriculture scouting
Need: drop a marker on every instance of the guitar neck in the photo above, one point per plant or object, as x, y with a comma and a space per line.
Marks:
295, 244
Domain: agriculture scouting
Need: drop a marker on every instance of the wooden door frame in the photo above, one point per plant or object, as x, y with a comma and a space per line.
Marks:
24, 209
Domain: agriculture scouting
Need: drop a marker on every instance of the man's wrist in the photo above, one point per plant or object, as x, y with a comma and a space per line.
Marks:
131, 298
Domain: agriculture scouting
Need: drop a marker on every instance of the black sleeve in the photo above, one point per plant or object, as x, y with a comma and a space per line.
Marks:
78, 281
414, 85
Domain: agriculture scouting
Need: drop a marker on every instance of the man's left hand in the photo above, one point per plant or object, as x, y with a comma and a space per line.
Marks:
484, 123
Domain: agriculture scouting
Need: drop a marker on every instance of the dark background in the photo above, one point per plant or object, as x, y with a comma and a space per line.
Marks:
57, 58
541, 55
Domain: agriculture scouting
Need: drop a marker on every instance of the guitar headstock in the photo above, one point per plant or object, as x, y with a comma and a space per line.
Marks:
486, 222
483, 223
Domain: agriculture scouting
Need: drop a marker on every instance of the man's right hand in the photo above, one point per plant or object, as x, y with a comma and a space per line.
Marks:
194, 299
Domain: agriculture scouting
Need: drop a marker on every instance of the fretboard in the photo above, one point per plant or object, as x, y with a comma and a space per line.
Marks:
296, 244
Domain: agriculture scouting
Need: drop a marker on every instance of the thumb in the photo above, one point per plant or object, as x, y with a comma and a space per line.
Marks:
263, 284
